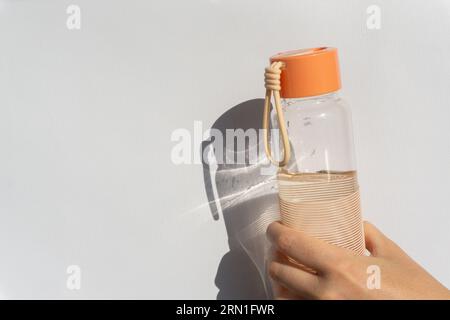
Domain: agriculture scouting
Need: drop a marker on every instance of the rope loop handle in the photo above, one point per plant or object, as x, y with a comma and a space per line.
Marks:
273, 87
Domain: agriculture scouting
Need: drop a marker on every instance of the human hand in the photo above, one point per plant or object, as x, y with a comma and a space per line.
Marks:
341, 273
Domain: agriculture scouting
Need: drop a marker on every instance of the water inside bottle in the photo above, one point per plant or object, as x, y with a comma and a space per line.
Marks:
325, 205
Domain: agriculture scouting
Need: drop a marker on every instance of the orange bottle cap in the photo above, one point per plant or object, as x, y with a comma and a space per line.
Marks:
308, 72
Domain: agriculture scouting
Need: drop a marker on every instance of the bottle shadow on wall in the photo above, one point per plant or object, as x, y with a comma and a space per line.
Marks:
241, 189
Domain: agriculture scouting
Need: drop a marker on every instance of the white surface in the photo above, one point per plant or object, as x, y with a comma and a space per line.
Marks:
86, 118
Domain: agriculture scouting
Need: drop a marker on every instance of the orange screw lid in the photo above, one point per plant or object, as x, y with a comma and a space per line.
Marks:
308, 72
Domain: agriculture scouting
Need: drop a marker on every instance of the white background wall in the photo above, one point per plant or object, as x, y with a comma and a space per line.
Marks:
86, 118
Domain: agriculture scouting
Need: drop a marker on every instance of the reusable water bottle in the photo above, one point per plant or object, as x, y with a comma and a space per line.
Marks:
318, 187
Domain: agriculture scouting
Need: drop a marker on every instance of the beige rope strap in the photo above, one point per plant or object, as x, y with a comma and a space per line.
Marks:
273, 86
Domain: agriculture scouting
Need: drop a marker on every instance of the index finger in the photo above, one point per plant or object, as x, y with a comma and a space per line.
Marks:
307, 250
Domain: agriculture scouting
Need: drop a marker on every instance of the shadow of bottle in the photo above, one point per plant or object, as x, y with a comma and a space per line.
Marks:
240, 186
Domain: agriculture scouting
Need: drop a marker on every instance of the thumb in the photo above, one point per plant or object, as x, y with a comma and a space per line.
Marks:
376, 241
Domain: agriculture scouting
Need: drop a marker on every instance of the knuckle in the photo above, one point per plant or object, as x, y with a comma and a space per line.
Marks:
270, 229
343, 266
285, 242
310, 250
328, 293
274, 270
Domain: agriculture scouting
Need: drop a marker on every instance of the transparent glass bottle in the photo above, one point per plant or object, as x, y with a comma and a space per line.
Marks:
318, 187
320, 131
